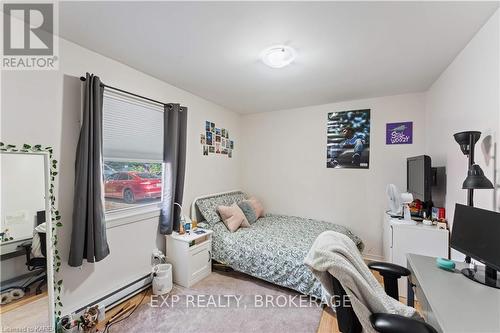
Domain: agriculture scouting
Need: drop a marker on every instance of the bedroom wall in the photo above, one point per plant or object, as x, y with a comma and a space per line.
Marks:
44, 107
285, 164
466, 97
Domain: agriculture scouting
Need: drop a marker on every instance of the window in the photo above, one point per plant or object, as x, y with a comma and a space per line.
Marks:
133, 152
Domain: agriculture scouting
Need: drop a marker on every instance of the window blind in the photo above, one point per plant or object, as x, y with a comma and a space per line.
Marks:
132, 128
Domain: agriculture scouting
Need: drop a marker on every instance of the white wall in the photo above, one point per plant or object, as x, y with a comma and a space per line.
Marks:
44, 107
285, 164
23, 192
284, 151
465, 97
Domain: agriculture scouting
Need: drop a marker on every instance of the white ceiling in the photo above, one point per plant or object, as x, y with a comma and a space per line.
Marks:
345, 50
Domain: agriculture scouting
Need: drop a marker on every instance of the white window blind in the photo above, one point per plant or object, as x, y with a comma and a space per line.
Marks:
132, 128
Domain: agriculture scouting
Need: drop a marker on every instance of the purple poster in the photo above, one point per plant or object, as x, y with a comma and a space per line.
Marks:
399, 133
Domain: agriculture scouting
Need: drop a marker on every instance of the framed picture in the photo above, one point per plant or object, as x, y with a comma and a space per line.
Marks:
209, 138
348, 139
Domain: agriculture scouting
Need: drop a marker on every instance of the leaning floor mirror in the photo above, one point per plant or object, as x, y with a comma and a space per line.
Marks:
26, 243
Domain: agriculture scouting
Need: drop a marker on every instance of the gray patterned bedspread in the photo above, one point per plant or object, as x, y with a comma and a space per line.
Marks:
273, 249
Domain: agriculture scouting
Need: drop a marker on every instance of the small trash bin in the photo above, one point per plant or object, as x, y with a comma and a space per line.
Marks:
162, 279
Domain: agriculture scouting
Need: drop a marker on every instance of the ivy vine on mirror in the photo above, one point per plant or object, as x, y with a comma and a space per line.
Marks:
13, 242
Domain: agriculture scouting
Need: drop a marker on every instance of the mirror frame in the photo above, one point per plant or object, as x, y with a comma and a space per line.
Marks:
52, 219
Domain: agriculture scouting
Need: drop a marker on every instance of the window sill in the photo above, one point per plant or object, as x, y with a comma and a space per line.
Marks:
116, 219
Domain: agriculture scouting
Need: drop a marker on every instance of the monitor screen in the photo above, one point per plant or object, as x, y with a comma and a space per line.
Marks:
476, 233
418, 177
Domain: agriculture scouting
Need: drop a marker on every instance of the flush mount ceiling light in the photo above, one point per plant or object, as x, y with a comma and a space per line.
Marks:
278, 56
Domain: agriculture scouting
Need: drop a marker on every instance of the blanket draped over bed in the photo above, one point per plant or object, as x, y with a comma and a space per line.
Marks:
273, 249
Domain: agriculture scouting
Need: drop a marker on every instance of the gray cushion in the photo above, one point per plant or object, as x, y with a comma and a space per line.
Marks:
248, 210
208, 206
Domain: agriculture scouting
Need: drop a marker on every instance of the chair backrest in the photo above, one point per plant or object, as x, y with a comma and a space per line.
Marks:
40, 217
347, 320
43, 243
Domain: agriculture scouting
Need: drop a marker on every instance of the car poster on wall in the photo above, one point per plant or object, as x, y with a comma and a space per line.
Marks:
348, 139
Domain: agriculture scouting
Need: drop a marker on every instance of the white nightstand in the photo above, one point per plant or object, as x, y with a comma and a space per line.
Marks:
190, 256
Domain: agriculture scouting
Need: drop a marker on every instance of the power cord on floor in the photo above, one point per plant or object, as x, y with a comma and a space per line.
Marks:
120, 313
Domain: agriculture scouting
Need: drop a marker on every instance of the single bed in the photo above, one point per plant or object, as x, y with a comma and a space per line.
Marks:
272, 249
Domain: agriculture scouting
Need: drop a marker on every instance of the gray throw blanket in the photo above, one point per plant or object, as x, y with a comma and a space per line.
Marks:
334, 254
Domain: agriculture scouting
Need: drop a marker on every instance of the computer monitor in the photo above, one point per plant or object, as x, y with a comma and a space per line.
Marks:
476, 233
419, 177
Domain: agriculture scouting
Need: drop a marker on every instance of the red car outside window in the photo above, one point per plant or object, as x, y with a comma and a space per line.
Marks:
131, 186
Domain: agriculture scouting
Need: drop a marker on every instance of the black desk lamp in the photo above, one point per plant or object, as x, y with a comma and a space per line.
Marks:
475, 176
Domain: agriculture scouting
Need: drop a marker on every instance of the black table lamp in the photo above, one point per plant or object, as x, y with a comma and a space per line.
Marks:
475, 176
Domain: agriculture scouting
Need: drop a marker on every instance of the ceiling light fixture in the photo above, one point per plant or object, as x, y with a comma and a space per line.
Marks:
278, 56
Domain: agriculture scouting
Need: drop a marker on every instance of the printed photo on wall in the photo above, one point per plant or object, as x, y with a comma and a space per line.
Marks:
223, 132
348, 139
217, 131
217, 138
230, 153
232, 144
205, 150
207, 126
399, 133
212, 127
217, 148
202, 139
211, 149
209, 138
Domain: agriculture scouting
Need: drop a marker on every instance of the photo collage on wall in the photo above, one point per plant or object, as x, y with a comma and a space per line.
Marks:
348, 139
216, 141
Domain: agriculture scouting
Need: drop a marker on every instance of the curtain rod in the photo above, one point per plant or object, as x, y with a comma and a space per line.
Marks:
128, 93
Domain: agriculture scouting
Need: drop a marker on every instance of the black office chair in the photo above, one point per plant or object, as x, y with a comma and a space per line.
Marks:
348, 322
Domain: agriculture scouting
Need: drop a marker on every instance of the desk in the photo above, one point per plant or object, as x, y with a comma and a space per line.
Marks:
450, 301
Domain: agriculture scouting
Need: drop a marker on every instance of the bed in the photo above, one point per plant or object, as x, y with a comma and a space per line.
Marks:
272, 249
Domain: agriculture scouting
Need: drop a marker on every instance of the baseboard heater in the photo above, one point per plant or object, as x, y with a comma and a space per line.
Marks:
120, 295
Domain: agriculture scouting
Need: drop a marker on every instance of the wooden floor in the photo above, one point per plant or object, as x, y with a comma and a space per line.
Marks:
122, 310
21, 302
27, 315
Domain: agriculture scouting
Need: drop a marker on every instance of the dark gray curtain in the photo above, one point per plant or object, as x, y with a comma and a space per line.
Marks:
88, 237
174, 157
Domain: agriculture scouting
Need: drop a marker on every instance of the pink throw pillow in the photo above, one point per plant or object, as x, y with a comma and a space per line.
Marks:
233, 217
